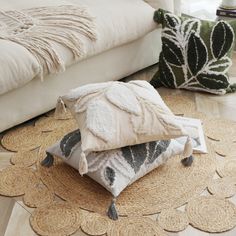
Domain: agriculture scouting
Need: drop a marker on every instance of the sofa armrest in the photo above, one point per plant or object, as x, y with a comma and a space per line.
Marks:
169, 5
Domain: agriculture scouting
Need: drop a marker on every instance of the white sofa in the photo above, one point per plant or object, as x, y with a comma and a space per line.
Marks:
128, 41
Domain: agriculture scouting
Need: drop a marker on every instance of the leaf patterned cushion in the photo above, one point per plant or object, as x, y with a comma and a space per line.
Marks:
116, 114
116, 169
195, 53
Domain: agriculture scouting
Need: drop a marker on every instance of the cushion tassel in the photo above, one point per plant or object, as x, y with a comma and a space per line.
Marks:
60, 109
188, 151
112, 213
83, 165
231, 88
48, 160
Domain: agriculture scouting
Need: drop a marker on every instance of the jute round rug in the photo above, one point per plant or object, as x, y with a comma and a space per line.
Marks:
64, 201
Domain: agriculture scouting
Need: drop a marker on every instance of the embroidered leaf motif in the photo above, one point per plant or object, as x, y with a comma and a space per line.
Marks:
156, 149
100, 120
219, 66
172, 52
190, 25
69, 142
196, 53
135, 155
81, 104
123, 98
142, 84
213, 81
110, 175
166, 73
146, 91
169, 33
222, 38
85, 90
172, 21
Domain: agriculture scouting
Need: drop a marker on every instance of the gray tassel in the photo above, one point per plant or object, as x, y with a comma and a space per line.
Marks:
188, 161
48, 161
112, 213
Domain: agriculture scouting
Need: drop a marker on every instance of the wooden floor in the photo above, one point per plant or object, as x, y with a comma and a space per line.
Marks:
14, 216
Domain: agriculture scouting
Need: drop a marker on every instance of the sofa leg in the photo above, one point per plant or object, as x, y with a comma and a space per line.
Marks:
188, 161
48, 161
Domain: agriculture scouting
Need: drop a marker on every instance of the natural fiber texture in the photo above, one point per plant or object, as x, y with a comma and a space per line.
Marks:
27, 158
95, 224
57, 219
197, 115
15, 180
226, 148
222, 187
173, 220
46, 124
180, 105
168, 187
212, 214
137, 226
228, 168
175, 184
21, 139
38, 196
219, 129
38, 29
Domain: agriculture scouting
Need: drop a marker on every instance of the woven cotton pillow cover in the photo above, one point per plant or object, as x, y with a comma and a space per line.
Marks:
118, 168
195, 53
116, 114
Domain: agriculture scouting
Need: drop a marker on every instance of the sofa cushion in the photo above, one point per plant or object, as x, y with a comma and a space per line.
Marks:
196, 54
17, 66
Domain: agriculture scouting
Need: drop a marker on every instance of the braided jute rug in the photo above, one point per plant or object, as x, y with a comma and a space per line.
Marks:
167, 199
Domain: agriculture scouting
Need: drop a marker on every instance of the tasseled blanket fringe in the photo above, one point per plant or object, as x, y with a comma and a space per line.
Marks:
39, 29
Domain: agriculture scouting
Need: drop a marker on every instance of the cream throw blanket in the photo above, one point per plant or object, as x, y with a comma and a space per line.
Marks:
37, 28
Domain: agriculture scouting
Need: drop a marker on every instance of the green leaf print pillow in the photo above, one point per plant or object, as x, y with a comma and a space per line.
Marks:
195, 53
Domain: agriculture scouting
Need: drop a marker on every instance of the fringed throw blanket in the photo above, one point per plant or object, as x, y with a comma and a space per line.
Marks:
37, 28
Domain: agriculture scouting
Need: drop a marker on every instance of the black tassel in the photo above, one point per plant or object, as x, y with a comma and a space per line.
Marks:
188, 161
48, 161
112, 213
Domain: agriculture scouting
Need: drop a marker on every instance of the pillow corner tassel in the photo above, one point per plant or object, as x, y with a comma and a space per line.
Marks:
48, 160
60, 109
83, 164
112, 212
231, 88
188, 153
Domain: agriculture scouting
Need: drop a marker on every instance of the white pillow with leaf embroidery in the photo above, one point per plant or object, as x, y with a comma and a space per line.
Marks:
116, 114
118, 168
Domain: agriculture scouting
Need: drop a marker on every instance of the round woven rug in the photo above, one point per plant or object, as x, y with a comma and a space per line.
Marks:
65, 201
